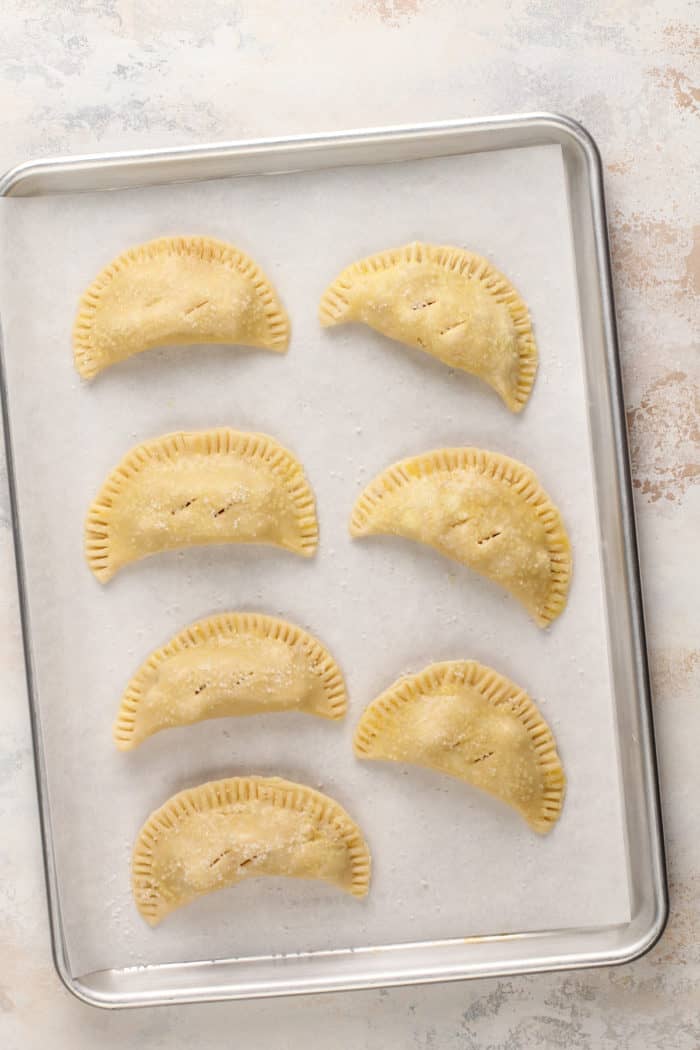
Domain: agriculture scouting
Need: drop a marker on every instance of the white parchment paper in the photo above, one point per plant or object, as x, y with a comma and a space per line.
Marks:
447, 860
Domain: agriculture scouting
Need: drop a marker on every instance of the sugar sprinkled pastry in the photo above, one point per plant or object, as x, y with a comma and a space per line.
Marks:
228, 665
448, 302
171, 291
482, 509
470, 722
202, 487
213, 836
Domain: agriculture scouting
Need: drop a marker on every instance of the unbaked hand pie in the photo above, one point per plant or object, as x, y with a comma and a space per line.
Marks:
171, 291
470, 722
448, 302
482, 509
208, 486
215, 835
226, 665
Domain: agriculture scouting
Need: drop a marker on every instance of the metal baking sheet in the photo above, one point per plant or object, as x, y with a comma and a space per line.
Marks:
460, 887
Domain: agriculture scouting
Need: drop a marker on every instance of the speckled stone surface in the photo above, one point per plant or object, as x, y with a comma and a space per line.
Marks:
83, 75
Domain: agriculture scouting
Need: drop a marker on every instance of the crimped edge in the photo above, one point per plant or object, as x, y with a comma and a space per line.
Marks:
87, 355
217, 794
226, 625
334, 301
499, 691
502, 469
217, 441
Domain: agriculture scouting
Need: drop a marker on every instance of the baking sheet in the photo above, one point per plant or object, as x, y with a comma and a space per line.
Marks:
447, 861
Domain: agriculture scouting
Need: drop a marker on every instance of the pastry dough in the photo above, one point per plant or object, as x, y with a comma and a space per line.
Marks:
448, 302
215, 835
209, 486
176, 290
482, 509
232, 664
468, 721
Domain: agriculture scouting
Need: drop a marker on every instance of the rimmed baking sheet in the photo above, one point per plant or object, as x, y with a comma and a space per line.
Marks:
448, 863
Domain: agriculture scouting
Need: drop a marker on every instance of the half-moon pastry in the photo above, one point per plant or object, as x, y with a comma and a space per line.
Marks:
213, 836
470, 722
229, 665
203, 487
171, 291
448, 302
482, 509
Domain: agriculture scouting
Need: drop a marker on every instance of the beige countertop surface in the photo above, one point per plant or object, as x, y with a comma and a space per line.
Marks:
88, 75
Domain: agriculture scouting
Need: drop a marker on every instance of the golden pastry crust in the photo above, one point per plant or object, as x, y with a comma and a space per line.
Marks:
202, 487
448, 302
482, 509
470, 722
213, 836
233, 664
176, 290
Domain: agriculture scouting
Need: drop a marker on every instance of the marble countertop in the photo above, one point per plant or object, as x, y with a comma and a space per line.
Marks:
84, 75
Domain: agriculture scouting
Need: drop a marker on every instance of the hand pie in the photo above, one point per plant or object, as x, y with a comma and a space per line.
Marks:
215, 835
176, 290
470, 722
209, 486
482, 509
448, 302
232, 664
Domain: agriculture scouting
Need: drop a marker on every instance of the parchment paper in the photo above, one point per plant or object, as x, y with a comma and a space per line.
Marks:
448, 861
